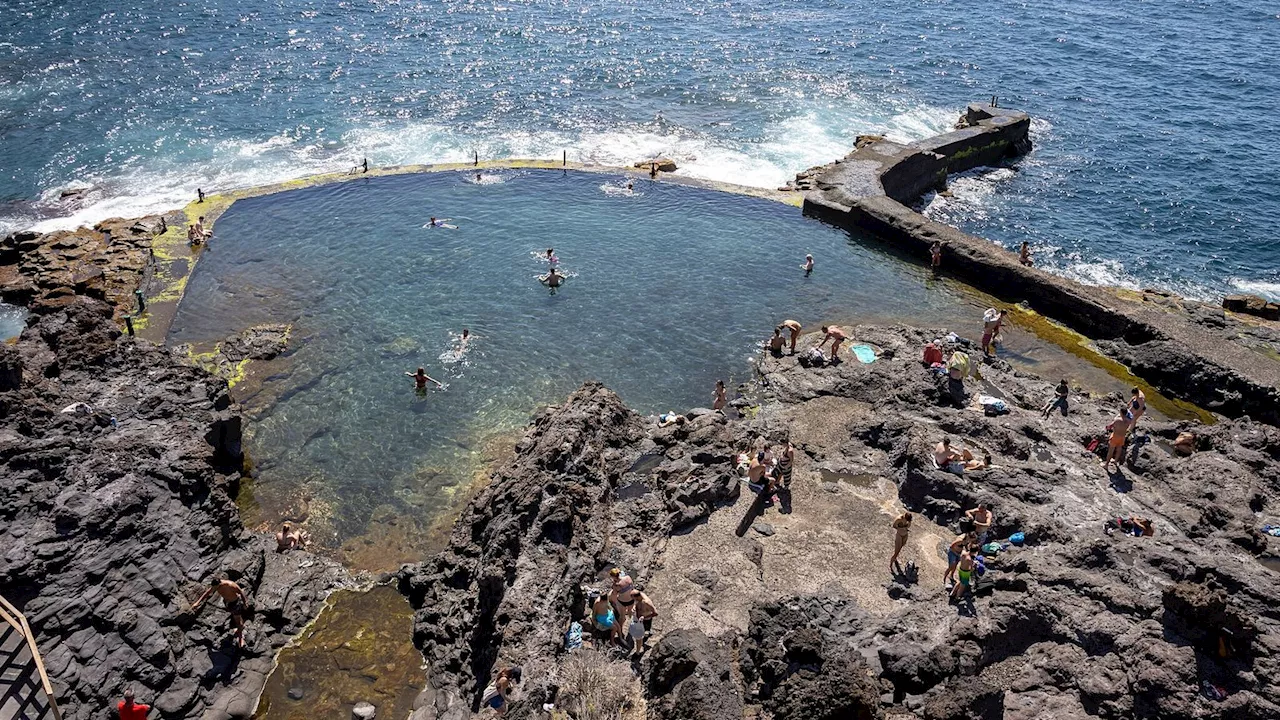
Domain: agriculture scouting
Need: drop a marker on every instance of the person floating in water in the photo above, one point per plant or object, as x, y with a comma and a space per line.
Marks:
808, 265
552, 260
440, 223
479, 179
552, 279
421, 378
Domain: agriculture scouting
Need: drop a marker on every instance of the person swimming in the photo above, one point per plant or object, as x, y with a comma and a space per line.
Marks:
421, 378
440, 223
552, 279
551, 258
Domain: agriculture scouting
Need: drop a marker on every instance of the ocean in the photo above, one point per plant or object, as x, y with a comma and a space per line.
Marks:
1154, 162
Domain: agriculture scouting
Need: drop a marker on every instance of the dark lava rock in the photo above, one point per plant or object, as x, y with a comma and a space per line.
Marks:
115, 514
689, 677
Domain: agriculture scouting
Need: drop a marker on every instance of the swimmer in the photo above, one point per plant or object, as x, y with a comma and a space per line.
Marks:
808, 265
630, 186
478, 179
464, 340
551, 279
551, 258
440, 223
421, 378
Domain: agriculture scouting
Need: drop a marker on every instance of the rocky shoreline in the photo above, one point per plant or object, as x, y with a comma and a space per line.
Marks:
1078, 622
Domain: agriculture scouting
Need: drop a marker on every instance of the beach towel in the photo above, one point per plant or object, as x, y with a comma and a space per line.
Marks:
864, 353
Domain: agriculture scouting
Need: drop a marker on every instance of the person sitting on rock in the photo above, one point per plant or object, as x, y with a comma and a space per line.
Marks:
947, 459
602, 618
497, 694
1185, 444
982, 518
757, 473
777, 342
200, 232
290, 538
1024, 254
236, 602
1059, 400
836, 336
130, 710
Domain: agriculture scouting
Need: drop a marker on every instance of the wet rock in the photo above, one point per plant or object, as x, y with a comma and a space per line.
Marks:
663, 164
1252, 305
364, 711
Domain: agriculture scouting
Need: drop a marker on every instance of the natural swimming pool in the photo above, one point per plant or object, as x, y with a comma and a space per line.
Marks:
670, 288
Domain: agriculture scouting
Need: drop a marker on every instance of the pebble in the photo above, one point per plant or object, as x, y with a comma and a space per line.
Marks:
763, 528
295, 693
364, 711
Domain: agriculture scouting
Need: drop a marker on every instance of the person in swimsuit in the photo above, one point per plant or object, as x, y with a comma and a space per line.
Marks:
630, 187
552, 260
1137, 406
497, 694
901, 528
1059, 400
947, 459
464, 340
440, 223
982, 518
794, 328
836, 336
777, 342
757, 472
552, 279
935, 255
1024, 254
290, 538
991, 331
478, 178
622, 596
953, 554
642, 624
201, 234
602, 617
964, 570
421, 378
808, 265
236, 602
786, 465
1119, 431
719, 399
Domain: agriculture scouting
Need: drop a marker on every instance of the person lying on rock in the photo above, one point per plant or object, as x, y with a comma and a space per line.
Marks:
982, 518
497, 694
836, 336
290, 538
901, 529
236, 602
972, 463
947, 459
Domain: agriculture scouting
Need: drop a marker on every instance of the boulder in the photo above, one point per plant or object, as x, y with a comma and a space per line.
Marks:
664, 164
1252, 305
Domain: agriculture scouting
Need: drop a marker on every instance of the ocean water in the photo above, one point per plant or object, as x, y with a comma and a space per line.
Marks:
1154, 163
669, 288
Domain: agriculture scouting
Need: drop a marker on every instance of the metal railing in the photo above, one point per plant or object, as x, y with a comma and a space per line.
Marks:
25, 692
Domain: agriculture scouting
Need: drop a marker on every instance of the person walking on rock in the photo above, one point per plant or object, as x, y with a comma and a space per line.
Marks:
1137, 406
901, 529
235, 600
130, 710
964, 569
642, 624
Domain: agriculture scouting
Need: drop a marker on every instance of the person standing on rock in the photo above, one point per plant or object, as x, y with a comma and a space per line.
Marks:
836, 336
964, 570
901, 529
1137, 406
808, 265
1119, 432
786, 465
642, 625
953, 554
982, 518
719, 399
991, 323
237, 603
794, 328
623, 597
935, 255
497, 694
130, 710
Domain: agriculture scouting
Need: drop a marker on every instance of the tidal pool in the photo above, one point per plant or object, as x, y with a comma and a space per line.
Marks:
670, 288
13, 320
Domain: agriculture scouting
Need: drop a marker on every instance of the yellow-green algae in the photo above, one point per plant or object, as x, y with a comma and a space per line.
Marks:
1082, 347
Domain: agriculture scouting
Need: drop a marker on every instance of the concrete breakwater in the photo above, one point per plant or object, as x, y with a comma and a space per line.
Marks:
1187, 350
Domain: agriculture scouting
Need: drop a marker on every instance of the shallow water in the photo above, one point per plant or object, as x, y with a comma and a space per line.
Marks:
1154, 161
669, 289
13, 320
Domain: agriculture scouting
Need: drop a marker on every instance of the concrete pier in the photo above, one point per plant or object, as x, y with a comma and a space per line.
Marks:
1186, 350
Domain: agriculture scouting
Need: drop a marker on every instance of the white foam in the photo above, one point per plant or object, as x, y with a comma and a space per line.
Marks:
1269, 290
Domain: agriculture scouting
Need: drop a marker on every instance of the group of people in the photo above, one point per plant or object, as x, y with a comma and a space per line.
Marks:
935, 255
624, 613
767, 472
1124, 423
946, 458
421, 378
197, 234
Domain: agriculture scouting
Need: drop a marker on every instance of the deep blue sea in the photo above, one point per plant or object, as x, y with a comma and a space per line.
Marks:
1155, 160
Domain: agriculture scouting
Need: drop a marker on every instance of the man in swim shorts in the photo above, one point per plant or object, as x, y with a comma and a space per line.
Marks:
552, 279
953, 554
236, 602
947, 459
794, 328
964, 571
1119, 431
982, 518
836, 336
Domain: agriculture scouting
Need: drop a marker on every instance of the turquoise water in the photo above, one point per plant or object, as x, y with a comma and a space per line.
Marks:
670, 288
12, 321
1154, 157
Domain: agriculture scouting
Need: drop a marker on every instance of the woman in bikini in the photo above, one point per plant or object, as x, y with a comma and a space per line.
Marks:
902, 528
623, 598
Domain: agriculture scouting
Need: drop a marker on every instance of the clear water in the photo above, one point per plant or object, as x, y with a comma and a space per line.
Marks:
1154, 160
13, 320
670, 288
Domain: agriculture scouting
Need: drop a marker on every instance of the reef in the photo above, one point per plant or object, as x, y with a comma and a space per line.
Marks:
120, 463
803, 617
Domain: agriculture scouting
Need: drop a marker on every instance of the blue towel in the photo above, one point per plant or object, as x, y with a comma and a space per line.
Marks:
864, 353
